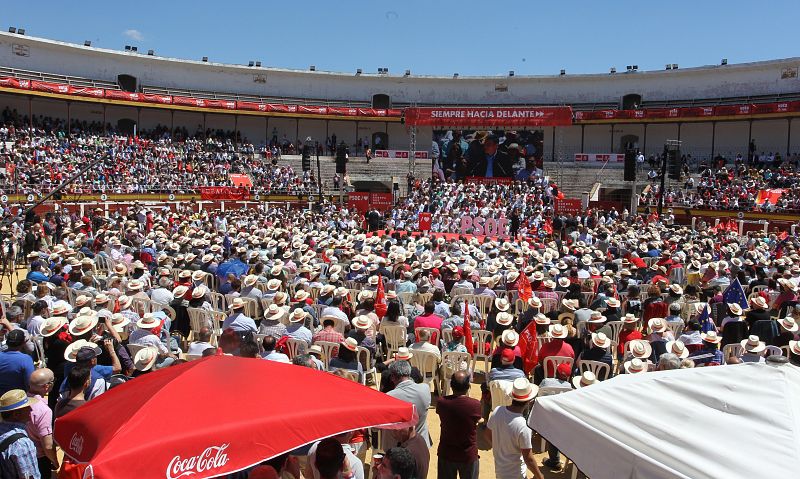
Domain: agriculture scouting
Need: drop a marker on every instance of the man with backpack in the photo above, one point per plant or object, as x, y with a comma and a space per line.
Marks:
17, 451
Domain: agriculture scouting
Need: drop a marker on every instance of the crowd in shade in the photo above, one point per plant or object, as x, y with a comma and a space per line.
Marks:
107, 299
153, 161
735, 187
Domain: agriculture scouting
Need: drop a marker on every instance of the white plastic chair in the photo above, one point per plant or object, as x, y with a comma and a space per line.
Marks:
482, 343
329, 349
452, 361
600, 369
428, 365
552, 362
500, 391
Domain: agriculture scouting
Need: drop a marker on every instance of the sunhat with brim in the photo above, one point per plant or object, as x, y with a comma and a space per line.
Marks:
298, 315
501, 304
586, 379
403, 354
601, 340
788, 324
787, 284
101, 298
504, 319
82, 324
82, 300
711, 337
512, 276
677, 348
541, 319
13, 400
657, 325
676, 289
134, 285
759, 302
71, 352
549, 284
273, 284
52, 325
523, 391
640, 348
61, 308
361, 322
629, 318
613, 302
250, 280
635, 366
570, 304
198, 275
596, 317
563, 282
558, 331
274, 312
145, 359
199, 292
179, 291
351, 344
753, 344
364, 295
148, 321
315, 349
119, 322
735, 309
237, 303
510, 338
185, 274
794, 347
120, 269
301, 295
327, 290
534, 302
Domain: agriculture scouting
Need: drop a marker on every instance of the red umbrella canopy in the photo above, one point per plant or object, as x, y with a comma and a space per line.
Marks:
218, 415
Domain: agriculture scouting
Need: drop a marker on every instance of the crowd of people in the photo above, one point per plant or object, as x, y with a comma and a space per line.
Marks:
107, 299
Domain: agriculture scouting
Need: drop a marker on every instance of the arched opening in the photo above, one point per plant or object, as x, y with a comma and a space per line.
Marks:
628, 143
126, 126
380, 141
632, 101
381, 100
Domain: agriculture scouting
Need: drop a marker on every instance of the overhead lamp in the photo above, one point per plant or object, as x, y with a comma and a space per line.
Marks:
21, 31
313, 68
724, 61
358, 71
12, 29
258, 63
251, 63
511, 73
87, 43
205, 59
151, 52
563, 72
612, 70
408, 73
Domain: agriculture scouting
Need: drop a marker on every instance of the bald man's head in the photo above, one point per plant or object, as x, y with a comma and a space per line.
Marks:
41, 381
459, 382
204, 335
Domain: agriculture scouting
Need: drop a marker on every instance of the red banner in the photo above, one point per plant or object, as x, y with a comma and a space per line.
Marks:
93, 92
490, 117
222, 104
343, 111
14, 83
570, 206
424, 221
224, 193
49, 87
381, 201
358, 202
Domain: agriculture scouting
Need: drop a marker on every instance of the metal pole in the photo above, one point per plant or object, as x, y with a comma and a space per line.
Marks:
553, 147
30, 114
788, 135
319, 174
663, 180
612, 139
713, 138
644, 141
69, 118
583, 131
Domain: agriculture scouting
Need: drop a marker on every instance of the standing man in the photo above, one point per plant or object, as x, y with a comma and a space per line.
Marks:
405, 389
40, 427
17, 451
510, 436
459, 415
16, 366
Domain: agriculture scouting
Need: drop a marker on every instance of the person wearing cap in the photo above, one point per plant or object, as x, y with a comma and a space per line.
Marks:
18, 456
15, 365
83, 354
40, 427
510, 437
506, 370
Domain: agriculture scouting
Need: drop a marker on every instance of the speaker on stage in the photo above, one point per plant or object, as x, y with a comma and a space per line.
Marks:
630, 165
128, 83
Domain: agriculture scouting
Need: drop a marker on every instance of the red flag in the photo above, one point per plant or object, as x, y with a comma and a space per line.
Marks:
380, 299
529, 347
524, 287
548, 226
467, 329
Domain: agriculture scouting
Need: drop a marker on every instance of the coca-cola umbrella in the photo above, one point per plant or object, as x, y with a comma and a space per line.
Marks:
218, 415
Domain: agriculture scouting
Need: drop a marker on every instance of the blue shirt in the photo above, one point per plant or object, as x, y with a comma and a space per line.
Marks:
37, 276
15, 371
490, 166
19, 459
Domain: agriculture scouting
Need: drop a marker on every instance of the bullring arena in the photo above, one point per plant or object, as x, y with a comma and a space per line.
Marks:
220, 270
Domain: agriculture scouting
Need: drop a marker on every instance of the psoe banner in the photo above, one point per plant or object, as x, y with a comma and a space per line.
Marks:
570, 206
480, 226
599, 157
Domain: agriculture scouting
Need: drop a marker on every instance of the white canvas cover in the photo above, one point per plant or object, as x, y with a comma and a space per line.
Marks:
709, 422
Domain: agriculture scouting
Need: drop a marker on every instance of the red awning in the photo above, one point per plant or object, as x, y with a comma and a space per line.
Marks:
217, 415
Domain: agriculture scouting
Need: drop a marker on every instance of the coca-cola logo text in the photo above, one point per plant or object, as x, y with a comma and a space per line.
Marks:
212, 457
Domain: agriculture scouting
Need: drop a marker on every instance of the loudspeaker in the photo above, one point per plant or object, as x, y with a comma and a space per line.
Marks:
673, 163
128, 83
306, 158
381, 100
630, 165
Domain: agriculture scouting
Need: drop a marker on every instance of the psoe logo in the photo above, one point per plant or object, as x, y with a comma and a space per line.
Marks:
212, 457
76, 443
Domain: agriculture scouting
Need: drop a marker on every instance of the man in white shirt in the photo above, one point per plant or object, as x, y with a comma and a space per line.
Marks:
203, 342
425, 345
270, 354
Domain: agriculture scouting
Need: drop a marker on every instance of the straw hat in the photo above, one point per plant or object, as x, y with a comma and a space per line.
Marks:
788, 324
273, 284
657, 325
586, 379
61, 308
711, 337
676, 289
315, 349
52, 325
753, 344
534, 302
563, 282
237, 303
677, 348
640, 348
541, 319
504, 318
13, 400
600, 340
570, 304
361, 322
301, 295
250, 280
735, 309
148, 321
501, 304
558, 331
83, 324
522, 390
510, 338
613, 302
185, 274
120, 269
759, 302
134, 285
635, 366
629, 318
119, 322
199, 292
351, 344
145, 359
198, 275
794, 347
297, 316
403, 354
101, 298
549, 284
71, 352
82, 300
596, 317
274, 312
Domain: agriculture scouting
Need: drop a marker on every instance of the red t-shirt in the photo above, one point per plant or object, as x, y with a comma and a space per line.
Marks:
556, 347
625, 336
458, 415
432, 321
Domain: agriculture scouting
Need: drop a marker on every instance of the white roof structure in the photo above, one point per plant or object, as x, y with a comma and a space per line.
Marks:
711, 422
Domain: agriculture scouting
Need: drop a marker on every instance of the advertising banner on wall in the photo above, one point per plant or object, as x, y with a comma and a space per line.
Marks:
568, 206
599, 157
489, 117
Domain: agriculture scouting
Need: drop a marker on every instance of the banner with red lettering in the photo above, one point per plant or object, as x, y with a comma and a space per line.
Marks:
93, 92
364, 201
14, 83
223, 104
571, 206
49, 87
224, 193
402, 154
489, 117
358, 202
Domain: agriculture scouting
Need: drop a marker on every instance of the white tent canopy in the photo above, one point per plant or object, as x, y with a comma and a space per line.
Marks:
724, 421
